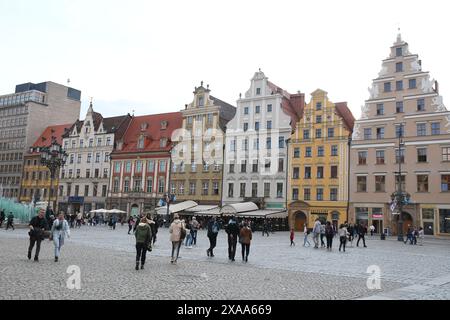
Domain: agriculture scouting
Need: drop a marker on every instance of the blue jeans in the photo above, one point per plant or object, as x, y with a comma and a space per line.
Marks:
58, 241
194, 236
188, 241
305, 241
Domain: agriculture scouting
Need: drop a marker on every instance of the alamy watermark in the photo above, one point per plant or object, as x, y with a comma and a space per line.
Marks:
74, 280
374, 280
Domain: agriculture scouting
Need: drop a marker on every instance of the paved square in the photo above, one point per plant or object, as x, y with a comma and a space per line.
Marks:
274, 271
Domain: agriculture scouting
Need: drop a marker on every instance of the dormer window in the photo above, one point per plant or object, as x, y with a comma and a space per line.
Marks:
141, 142
201, 101
399, 52
144, 126
258, 91
163, 125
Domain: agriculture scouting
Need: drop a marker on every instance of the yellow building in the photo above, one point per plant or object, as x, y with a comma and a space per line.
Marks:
35, 184
319, 163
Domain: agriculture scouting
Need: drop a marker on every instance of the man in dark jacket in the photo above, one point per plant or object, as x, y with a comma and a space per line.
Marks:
361, 233
10, 221
37, 227
213, 230
232, 230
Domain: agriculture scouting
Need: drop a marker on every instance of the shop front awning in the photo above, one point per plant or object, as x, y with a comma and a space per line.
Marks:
201, 208
236, 208
178, 207
269, 214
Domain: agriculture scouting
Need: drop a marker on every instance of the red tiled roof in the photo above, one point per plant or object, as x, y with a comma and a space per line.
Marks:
45, 139
153, 133
294, 107
345, 113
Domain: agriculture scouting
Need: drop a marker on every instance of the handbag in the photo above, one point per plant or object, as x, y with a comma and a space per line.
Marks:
182, 233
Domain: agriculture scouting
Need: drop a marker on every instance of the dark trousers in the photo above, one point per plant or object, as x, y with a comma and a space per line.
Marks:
329, 241
245, 251
212, 243
141, 252
343, 242
9, 224
153, 237
1, 223
38, 246
194, 237
322, 243
232, 242
130, 227
361, 236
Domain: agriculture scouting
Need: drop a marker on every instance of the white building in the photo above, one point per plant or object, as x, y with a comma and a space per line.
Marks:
84, 179
256, 145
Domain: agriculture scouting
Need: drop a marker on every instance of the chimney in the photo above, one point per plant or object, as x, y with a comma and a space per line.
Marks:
436, 86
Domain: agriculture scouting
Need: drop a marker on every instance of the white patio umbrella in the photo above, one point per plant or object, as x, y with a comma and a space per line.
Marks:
115, 211
99, 211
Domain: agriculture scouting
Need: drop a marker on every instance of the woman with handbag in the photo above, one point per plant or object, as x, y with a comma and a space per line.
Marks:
177, 232
60, 228
143, 236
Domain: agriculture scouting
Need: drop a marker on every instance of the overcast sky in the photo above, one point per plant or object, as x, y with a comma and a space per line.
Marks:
148, 56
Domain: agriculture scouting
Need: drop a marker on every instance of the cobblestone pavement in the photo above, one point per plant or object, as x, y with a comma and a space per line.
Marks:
274, 271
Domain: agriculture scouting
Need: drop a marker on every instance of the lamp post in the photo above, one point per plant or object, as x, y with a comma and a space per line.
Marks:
401, 197
53, 157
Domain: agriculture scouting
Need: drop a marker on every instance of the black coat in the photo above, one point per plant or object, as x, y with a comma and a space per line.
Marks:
39, 225
232, 229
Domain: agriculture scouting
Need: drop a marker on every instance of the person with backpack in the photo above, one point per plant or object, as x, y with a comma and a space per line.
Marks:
246, 239
329, 234
232, 230
143, 236
60, 229
177, 232
213, 231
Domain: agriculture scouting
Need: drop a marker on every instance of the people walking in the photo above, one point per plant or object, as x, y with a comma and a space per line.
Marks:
409, 235
316, 233
306, 233
415, 236
188, 241
343, 233
322, 235
37, 227
130, 224
10, 221
60, 229
372, 230
175, 230
361, 234
195, 225
143, 236
232, 230
213, 231
350, 230
79, 219
246, 239
291, 237
154, 227
329, 234
265, 228
421, 236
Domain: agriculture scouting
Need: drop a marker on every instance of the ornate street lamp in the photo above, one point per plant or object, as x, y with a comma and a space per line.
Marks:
53, 157
400, 197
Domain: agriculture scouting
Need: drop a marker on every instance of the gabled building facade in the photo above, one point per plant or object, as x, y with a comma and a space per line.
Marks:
35, 186
197, 158
319, 163
405, 102
256, 150
89, 143
141, 163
